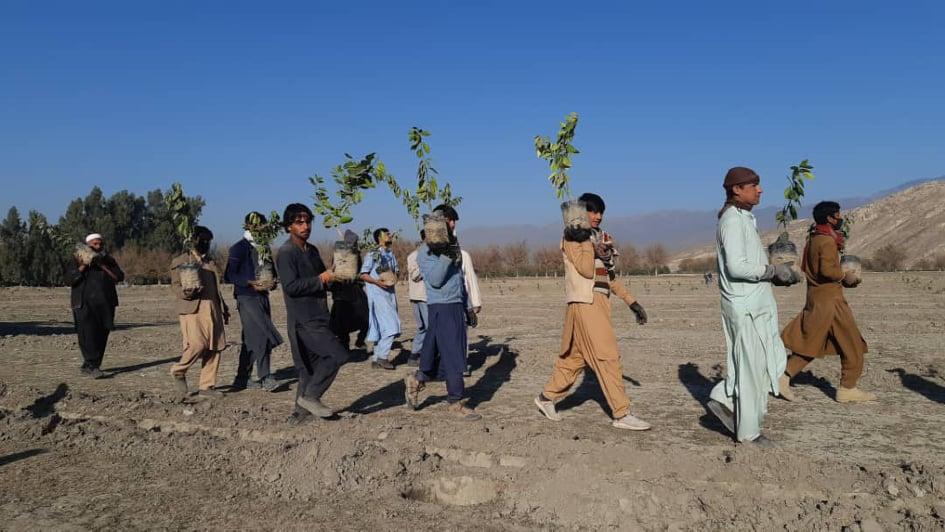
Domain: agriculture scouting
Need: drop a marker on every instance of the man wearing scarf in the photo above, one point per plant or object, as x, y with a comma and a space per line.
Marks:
588, 338
384, 323
94, 299
259, 334
202, 313
755, 356
826, 326
349, 306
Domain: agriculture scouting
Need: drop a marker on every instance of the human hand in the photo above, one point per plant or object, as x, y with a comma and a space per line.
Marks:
326, 277
192, 293
851, 280
637, 309
472, 320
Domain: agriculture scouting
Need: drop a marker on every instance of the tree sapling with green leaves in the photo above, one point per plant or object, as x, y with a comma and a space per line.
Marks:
352, 178
558, 156
783, 251
184, 223
264, 232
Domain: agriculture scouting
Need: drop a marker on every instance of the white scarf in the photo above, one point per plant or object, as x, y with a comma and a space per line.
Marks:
248, 236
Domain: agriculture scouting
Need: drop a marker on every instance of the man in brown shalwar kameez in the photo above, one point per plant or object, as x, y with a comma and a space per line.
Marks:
588, 338
202, 315
826, 325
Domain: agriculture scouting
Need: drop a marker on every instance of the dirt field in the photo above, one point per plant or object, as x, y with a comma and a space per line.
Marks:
126, 453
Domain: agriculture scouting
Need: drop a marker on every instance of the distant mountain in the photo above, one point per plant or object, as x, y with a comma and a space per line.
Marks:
675, 229
912, 216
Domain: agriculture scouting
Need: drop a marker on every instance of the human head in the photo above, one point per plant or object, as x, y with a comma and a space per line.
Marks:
827, 212
95, 242
254, 219
595, 208
382, 236
449, 213
742, 185
297, 221
202, 238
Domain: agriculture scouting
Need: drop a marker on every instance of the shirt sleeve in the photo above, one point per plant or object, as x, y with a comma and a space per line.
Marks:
735, 252
471, 280
622, 292
413, 269
368, 266
828, 262
293, 283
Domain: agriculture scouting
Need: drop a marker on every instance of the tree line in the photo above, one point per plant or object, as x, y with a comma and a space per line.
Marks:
138, 231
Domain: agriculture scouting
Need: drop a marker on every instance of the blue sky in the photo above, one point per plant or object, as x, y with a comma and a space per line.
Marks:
242, 101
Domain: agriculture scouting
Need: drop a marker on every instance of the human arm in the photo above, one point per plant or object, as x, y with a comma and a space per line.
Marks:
294, 284
472, 283
111, 268
413, 269
735, 252
827, 258
581, 255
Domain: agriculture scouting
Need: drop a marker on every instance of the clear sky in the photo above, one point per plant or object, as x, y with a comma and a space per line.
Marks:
241, 101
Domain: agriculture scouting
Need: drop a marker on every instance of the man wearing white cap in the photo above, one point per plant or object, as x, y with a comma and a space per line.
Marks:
94, 299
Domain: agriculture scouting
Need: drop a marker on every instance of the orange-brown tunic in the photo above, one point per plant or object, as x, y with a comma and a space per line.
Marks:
826, 326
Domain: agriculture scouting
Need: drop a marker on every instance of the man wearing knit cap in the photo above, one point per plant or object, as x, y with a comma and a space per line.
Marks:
755, 356
94, 299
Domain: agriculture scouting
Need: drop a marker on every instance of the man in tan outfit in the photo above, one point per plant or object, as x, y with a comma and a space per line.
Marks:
826, 326
588, 338
202, 314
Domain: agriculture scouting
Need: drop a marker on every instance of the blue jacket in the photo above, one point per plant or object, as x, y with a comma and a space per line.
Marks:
442, 278
241, 268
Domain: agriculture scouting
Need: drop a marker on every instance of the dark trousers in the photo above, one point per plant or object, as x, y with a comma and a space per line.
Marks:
92, 325
318, 358
446, 337
347, 317
256, 348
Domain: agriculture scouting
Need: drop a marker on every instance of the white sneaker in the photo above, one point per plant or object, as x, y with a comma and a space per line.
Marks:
547, 408
631, 422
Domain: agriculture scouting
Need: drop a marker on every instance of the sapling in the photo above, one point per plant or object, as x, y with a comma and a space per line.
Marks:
184, 223
352, 178
264, 233
65, 245
783, 251
558, 155
848, 262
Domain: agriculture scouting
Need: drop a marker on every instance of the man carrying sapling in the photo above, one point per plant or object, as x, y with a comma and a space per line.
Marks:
826, 326
316, 351
588, 338
94, 299
755, 356
202, 313
349, 307
259, 334
444, 347
379, 273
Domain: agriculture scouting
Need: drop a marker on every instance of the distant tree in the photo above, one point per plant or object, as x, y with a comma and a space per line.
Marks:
548, 260
888, 258
655, 258
44, 263
12, 248
515, 258
700, 265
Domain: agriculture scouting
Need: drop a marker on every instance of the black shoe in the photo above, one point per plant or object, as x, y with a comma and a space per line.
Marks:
382, 364
413, 361
85, 370
96, 373
467, 372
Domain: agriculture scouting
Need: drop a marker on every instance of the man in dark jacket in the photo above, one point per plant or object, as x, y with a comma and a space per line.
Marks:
259, 334
316, 351
94, 299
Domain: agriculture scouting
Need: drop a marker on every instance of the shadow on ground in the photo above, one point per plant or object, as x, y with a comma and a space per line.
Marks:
920, 385
699, 386
22, 455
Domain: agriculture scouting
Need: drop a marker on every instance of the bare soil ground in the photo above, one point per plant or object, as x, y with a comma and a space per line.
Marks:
127, 453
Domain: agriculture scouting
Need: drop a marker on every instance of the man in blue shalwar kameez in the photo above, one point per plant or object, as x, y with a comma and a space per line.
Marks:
379, 274
755, 356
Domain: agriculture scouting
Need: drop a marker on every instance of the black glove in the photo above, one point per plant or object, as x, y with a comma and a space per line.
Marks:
472, 319
780, 275
637, 309
453, 252
576, 234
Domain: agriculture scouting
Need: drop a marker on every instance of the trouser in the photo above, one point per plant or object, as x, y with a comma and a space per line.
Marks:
421, 318
446, 337
382, 347
609, 375
317, 358
209, 364
92, 325
253, 351
851, 367
346, 317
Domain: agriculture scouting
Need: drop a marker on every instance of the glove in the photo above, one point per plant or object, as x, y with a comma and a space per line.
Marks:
472, 320
779, 275
576, 234
453, 252
637, 309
